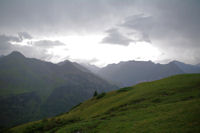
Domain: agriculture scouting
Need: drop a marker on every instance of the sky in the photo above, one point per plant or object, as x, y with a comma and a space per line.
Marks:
101, 32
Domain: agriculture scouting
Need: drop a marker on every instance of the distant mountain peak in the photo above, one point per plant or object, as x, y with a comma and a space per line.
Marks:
16, 54
176, 62
73, 65
64, 62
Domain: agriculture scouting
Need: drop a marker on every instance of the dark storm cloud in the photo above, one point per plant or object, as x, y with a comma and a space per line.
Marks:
114, 37
6, 41
6, 38
173, 26
141, 24
38, 51
5, 44
24, 35
174, 19
138, 22
46, 16
144, 37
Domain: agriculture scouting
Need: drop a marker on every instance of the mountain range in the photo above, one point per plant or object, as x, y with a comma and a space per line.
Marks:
31, 89
132, 72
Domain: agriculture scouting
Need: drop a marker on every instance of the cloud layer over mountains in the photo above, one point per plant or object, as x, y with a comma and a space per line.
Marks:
172, 26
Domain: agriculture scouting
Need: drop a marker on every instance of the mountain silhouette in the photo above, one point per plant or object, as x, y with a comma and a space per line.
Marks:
132, 72
31, 89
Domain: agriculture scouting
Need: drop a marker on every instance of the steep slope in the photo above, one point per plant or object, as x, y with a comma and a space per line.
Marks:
133, 72
167, 105
32, 89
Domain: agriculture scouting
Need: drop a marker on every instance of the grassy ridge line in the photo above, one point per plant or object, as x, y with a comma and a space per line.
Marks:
167, 105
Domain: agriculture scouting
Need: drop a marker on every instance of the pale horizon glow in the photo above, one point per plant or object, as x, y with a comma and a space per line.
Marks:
89, 49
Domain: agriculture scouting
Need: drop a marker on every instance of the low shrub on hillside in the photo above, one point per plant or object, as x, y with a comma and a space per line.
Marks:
124, 89
101, 95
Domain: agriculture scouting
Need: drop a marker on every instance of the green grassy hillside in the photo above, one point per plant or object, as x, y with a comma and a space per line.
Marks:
169, 105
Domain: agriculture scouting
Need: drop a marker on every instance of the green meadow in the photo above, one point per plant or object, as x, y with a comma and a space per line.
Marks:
170, 105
